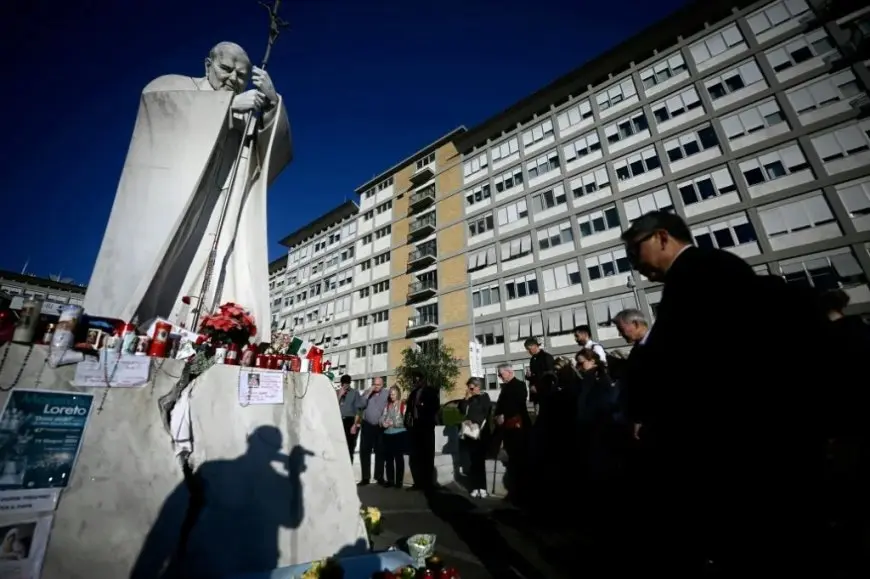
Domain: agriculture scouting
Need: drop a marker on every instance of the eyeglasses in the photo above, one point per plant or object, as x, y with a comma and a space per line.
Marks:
632, 249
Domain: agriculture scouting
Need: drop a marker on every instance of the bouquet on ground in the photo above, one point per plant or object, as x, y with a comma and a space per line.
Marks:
372, 519
326, 569
231, 324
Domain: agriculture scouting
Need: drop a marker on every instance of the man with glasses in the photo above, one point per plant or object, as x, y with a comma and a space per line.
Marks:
723, 440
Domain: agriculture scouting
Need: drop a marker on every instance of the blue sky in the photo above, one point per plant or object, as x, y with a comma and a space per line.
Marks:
366, 84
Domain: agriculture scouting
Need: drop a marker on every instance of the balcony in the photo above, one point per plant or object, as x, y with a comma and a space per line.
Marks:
421, 199
422, 256
423, 174
422, 227
422, 289
422, 324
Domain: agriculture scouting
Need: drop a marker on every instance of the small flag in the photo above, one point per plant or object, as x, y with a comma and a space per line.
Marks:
304, 348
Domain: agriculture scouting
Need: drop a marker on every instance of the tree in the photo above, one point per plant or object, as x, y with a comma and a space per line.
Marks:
437, 364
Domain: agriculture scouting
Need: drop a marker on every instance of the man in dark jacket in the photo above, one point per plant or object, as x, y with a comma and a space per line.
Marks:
727, 437
512, 419
421, 414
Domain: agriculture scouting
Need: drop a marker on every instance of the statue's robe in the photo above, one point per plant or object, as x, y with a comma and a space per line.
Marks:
167, 206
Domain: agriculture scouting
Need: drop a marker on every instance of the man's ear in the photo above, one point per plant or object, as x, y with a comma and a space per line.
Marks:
207, 64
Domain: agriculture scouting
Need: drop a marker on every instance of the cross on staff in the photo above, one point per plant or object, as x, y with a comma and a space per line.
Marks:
276, 24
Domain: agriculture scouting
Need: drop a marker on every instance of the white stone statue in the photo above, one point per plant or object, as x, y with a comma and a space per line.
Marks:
162, 225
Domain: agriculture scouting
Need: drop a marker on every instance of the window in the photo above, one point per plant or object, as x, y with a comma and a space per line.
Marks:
676, 105
775, 14
381, 316
795, 216
616, 94
543, 164
367, 216
773, 165
508, 180
382, 258
626, 127
589, 183
607, 264
505, 149
691, 144
364, 292
598, 221
480, 225
717, 43
360, 383
707, 186
342, 304
481, 259
512, 212
485, 296
384, 207
574, 116
538, 133
516, 248
522, 286
362, 322
636, 165
549, 199
427, 160
656, 201
369, 193
531, 326
366, 239
381, 286
365, 265
379, 348
429, 346
555, 235
427, 314
347, 253
329, 284
388, 182
563, 322
314, 290
561, 276
752, 119
349, 229
824, 271
742, 76
843, 142
819, 93
474, 165
478, 194
605, 310
856, 197
489, 334
663, 70
383, 232
802, 49
724, 233
583, 146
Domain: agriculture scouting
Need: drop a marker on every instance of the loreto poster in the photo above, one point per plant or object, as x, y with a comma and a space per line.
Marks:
41, 432
22, 546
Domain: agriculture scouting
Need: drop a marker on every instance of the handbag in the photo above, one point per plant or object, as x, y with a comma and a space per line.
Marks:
471, 430
513, 423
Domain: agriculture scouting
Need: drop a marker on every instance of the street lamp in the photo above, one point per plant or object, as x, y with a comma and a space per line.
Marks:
632, 285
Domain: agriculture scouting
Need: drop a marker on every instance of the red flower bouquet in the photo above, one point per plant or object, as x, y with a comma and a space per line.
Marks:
231, 324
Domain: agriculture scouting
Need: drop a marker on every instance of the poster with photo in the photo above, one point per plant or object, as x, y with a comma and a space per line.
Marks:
22, 546
261, 387
41, 432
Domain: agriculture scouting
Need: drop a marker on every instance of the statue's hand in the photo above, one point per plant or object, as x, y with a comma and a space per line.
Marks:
261, 80
250, 100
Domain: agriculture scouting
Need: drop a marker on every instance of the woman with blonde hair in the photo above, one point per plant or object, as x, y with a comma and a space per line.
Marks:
395, 433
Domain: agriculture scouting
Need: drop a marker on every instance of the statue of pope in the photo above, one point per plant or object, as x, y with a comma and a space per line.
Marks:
187, 135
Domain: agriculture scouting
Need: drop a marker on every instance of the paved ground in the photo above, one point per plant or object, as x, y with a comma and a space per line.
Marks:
482, 538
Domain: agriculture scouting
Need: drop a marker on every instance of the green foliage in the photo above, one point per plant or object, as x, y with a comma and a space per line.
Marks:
438, 366
451, 416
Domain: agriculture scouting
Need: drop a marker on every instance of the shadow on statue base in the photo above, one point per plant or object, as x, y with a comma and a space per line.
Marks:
127, 479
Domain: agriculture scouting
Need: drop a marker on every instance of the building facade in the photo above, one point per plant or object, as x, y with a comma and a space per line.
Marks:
748, 119
30, 286
751, 122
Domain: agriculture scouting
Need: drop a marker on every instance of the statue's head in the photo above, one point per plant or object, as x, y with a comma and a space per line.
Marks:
228, 67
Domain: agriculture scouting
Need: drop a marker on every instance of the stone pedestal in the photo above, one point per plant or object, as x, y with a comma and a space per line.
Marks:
274, 486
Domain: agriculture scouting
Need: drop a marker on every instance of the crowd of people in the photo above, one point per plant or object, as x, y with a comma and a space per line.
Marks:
731, 438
